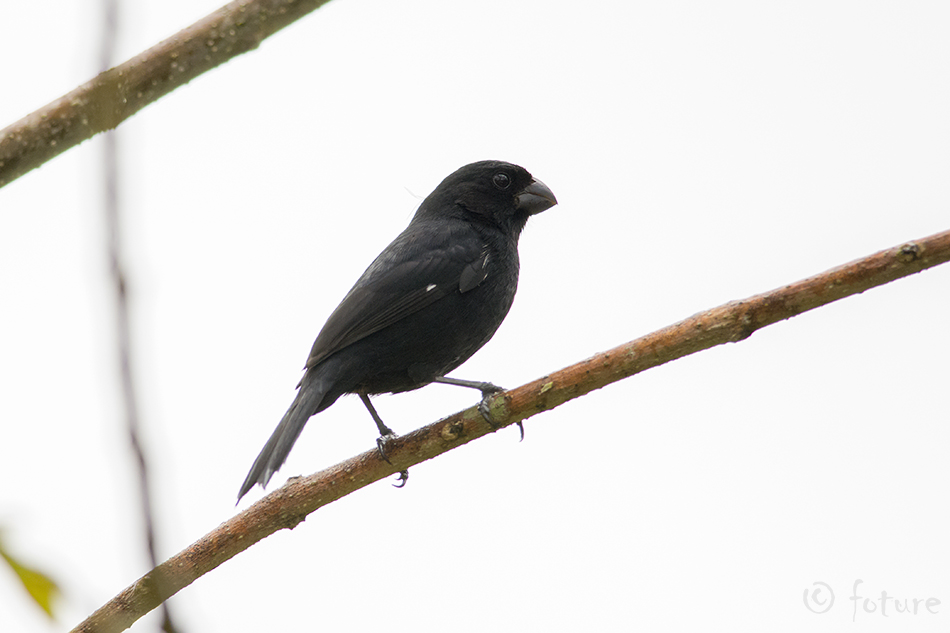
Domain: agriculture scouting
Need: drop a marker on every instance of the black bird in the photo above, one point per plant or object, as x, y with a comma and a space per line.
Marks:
428, 302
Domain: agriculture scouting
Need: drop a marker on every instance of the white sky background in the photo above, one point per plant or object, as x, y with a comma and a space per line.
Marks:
701, 152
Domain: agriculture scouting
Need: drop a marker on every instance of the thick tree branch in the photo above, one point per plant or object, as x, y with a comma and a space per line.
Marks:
116, 94
289, 505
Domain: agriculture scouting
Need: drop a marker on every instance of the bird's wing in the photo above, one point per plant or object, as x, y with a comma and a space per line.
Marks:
400, 282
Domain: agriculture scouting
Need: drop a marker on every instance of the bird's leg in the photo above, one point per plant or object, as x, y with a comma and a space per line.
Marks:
487, 389
484, 387
385, 435
383, 429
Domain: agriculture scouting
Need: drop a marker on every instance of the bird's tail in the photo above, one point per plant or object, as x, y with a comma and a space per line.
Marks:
313, 389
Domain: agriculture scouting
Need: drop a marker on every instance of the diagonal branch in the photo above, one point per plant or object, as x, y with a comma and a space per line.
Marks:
114, 95
289, 505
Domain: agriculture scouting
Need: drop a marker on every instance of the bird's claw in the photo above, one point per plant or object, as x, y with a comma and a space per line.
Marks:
381, 442
484, 409
489, 390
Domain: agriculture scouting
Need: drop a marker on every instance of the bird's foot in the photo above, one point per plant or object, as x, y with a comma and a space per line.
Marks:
382, 442
488, 390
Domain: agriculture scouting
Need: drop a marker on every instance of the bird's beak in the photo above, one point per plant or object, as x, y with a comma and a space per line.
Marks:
535, 198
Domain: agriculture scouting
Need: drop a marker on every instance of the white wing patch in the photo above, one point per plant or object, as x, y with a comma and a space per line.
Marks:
475, 273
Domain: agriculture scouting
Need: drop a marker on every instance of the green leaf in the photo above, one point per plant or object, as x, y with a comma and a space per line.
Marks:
40, 586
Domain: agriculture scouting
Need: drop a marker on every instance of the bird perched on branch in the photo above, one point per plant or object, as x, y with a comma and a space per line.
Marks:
429, 301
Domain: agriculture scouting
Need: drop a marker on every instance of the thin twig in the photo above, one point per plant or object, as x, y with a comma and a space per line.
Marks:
287, 506
123, 329
116, 94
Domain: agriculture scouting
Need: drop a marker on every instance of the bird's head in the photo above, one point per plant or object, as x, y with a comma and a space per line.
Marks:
491, 192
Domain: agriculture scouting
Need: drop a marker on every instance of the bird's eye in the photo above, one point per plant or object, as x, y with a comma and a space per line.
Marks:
501, 180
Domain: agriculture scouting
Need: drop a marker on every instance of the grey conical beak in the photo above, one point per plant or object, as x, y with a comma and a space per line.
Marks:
535, 198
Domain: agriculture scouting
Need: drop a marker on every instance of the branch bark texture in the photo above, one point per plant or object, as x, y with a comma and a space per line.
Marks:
116, 94
287, 506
